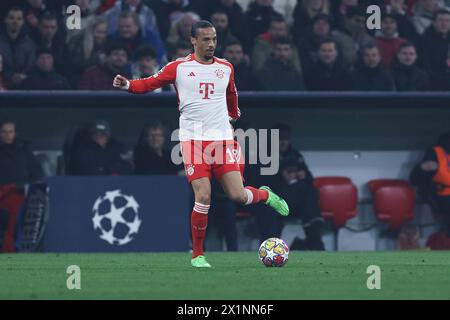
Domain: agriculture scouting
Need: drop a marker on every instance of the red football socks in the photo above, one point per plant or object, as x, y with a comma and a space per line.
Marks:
199, 222
256, 195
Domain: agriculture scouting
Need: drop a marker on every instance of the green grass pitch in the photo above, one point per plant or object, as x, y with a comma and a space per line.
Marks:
307, 275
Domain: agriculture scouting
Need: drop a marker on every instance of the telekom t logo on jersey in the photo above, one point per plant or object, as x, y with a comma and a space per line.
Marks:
206, 88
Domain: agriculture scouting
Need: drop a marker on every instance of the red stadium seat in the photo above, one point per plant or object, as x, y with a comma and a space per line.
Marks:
338, 199
320, 181
374, 185
393, 201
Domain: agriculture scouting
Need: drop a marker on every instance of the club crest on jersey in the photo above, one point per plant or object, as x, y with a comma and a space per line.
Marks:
219, 73
190, 170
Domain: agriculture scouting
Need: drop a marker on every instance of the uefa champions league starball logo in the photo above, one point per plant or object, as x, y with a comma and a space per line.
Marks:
116, 216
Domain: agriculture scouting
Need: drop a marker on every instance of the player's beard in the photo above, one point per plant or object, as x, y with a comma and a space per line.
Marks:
208, 55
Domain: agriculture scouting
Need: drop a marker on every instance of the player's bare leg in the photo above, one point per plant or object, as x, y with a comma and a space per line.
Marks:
199, 220
233, 186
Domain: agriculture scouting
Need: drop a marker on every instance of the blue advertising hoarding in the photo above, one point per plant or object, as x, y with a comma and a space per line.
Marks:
118, 214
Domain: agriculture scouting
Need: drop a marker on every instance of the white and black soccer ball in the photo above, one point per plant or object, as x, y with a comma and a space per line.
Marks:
116, 217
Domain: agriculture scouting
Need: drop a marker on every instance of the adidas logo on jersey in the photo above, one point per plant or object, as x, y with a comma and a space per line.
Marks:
192, 74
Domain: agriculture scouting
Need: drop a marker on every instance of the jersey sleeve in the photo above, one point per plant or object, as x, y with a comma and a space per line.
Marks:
232, 98
165, 76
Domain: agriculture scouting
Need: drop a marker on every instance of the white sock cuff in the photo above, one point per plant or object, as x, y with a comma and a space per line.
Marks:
201, 208
249, 197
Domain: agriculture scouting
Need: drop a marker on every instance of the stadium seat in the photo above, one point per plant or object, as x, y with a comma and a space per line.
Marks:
393, 201
374, 185
338, 199
438, 241
319, 181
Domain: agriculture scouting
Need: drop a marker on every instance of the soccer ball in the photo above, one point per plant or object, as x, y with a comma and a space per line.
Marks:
116, 217
273, 252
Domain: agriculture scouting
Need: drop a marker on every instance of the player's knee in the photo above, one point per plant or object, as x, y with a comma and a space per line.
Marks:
204, 197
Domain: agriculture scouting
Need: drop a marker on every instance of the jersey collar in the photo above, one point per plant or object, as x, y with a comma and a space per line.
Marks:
193, 58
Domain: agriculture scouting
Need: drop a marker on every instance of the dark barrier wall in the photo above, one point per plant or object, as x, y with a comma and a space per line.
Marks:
320, 121
117, 214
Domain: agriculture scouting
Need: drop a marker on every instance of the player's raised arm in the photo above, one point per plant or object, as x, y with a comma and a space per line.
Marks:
164, 77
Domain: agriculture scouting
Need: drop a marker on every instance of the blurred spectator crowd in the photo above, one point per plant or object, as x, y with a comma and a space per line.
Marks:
273, 44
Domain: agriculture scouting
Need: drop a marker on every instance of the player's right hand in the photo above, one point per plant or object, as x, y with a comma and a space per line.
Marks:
121, 82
